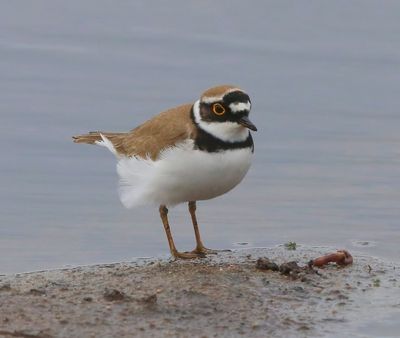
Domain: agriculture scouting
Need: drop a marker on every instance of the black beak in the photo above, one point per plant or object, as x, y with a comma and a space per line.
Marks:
245, 122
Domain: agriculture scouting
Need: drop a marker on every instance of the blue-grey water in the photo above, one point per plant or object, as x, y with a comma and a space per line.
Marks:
324, 78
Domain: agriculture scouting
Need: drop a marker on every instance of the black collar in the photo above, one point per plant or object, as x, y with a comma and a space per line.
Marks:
207, 142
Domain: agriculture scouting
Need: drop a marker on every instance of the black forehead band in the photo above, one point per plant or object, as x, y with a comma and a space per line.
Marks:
236, 96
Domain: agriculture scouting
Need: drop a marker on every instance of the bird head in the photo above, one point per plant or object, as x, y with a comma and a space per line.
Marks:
226, 104
223, 111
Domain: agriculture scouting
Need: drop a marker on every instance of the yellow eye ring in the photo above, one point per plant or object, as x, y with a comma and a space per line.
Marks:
218, 109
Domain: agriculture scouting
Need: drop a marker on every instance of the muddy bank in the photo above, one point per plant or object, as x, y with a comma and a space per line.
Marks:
222, 295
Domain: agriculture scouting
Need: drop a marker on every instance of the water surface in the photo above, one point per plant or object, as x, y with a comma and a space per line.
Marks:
324, 82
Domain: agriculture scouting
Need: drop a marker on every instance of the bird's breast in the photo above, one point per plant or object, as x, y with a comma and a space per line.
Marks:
182, 173
193, 174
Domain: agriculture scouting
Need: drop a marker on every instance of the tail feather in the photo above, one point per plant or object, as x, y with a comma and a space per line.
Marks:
90, 138
98, 137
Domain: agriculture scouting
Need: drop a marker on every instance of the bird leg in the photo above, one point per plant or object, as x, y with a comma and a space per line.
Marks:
200, 248
175, 253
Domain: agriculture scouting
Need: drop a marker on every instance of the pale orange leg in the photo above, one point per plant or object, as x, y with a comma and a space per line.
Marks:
200, 248
175, 253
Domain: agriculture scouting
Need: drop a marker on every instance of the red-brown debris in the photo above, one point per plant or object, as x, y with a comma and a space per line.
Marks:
341, 257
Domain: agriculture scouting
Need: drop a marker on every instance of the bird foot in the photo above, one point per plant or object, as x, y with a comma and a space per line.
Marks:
205, 251
188, 255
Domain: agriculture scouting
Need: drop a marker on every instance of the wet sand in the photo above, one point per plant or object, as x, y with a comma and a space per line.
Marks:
218, 296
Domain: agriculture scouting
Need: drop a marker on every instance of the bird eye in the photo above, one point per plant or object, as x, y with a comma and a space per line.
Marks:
218, 109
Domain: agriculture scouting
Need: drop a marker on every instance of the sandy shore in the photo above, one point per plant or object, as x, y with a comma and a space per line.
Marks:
219, 296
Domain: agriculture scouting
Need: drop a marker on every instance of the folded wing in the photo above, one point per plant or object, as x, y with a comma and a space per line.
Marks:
147, 140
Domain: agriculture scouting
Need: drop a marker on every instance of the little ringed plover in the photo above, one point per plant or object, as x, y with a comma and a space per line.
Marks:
192, 152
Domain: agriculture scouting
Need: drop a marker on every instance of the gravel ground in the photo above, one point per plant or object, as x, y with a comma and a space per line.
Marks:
223, 295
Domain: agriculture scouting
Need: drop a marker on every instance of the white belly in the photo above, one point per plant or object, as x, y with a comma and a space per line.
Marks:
181, 174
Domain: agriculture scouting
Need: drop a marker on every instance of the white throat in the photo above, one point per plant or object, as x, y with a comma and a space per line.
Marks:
226, 131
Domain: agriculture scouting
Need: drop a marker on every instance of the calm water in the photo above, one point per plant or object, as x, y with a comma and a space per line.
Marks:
324, 81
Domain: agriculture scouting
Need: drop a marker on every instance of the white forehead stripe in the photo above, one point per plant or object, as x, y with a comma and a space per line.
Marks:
239, 106
211, 99
226, 131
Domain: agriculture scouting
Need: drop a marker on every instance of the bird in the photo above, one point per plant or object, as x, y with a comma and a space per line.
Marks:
189, 153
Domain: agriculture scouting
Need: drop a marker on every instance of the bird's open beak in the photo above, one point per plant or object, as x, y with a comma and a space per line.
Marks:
245, 122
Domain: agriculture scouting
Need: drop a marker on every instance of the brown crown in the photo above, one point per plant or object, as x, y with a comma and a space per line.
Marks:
218, 91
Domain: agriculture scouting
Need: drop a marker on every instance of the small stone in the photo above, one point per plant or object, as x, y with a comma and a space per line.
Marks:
265, 281
304, 279
290, 268
152, 299
304, 327
37, 292
5, 287
298, 289
265, 264
113, 295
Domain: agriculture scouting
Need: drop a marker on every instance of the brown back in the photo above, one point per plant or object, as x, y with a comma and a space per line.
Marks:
162, 131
